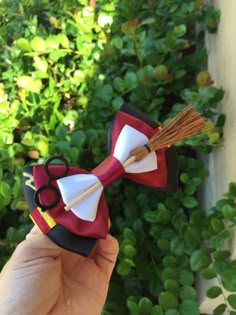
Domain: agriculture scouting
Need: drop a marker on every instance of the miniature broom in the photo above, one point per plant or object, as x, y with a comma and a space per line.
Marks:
187, 123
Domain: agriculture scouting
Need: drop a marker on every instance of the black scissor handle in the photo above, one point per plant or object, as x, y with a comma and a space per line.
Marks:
65, 164
53, 191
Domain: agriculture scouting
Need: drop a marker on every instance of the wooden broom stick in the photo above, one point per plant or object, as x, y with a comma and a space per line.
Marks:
187, 123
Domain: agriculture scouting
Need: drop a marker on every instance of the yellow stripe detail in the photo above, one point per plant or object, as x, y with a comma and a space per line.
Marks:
51, 223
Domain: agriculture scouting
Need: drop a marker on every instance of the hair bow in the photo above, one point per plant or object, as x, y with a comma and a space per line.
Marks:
54, 191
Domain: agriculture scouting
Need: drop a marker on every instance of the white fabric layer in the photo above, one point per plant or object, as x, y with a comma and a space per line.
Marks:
73, 186
129, 139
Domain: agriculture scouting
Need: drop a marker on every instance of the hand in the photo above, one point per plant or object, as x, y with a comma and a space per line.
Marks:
42, 278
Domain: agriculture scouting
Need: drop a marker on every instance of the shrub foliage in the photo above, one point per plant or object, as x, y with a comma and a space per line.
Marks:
66, 68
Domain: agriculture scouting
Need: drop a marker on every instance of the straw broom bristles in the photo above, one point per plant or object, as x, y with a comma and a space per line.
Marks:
187, 123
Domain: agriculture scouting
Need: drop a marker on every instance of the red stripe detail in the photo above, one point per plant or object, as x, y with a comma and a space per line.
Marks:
109, 170
39, 220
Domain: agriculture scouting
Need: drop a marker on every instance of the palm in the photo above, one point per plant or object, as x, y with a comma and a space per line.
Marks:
81, 283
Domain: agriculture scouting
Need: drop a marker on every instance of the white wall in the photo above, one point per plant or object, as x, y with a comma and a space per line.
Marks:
222, 65
222, 162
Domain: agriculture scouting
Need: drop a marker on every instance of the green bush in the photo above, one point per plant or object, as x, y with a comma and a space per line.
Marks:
66, 68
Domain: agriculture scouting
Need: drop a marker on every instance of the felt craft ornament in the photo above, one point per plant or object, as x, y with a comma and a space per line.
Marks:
68, 204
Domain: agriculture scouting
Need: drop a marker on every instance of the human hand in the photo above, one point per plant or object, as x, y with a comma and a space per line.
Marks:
44, 279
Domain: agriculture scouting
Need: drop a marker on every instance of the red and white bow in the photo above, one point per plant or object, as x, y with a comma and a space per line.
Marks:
111, 169
89, 217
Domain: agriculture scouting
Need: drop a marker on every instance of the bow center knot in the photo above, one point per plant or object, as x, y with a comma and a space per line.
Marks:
109, 170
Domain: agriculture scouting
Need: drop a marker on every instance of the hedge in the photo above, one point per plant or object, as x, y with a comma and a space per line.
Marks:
66, 68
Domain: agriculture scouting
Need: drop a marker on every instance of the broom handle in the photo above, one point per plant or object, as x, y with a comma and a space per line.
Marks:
94, 187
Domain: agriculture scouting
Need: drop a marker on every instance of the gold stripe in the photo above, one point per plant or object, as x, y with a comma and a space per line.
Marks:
51, 223
35, 223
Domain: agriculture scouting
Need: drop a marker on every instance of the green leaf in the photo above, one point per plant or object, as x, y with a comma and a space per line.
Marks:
232, 300
145, 306
189, 202
229, 278
184, 177
23, 44
78, 138
177, 246
220, 266
117, 103
189, 307
180, 30
208, 273
29, 83
43, 147
38, 44
28, 139
221, 120
40, 64
163, 244
190, 189
169, 261
171, 285
117, 42
214, 292
223, 255
192, 236
53, 42
150, 216
219, 310
187, 292
219, 240
129, 250
169, 273
106, 92
214, 137
64, 41
197, 217
168, 300
119, 84
123, 268
157, 310
163, 214
129, 235
5, 190
228, 212
61, 132
131, 80
231, 194
145, 74
199, 259
217, 225
56, 55
132, 305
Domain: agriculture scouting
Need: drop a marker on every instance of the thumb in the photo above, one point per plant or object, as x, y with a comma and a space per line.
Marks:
106, 255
